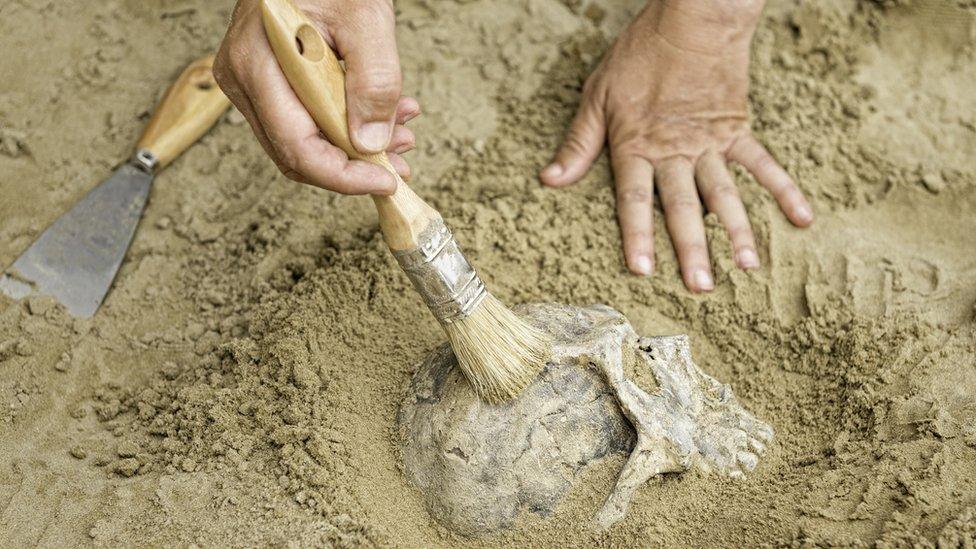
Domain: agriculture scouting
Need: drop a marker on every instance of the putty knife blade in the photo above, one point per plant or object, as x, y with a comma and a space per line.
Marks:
76, 258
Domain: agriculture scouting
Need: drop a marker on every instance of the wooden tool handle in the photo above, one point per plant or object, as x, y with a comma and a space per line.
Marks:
190, 107
319, 81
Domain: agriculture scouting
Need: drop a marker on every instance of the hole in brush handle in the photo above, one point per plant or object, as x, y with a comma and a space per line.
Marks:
310, 44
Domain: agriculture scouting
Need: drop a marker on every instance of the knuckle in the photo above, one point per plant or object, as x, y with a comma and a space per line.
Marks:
741, 234
625, 142
782, 189
693, 250
226, 71
336, 181
340, 185
789, 187
288, 158
635, 235
723, 193
593, 88
378, 86
682, 202
574, 143
635, 194
292, 174
235, 62
765, 161
286, 169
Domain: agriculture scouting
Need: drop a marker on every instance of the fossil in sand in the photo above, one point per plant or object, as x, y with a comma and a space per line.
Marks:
478, 465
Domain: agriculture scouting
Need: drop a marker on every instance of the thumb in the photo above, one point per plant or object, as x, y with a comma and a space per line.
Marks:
581, 146
373, 79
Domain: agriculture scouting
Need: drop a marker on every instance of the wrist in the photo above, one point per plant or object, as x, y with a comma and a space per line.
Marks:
706, 26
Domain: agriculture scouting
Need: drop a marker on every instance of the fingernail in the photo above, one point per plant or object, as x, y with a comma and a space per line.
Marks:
703, 280
374, 135
643, 265
552, 170
747, 258
804, 213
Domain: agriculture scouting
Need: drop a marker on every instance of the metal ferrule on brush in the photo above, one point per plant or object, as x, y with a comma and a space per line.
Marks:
442, 275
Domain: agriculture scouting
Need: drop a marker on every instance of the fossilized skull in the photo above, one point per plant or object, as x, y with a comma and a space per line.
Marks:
479, 465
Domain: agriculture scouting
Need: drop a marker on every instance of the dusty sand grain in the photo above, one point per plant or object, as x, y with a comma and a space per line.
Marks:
240, 385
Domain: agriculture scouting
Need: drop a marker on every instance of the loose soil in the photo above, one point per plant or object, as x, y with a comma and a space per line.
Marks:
240, 384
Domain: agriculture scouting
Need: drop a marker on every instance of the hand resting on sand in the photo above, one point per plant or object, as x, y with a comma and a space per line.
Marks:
361, 32
670, 97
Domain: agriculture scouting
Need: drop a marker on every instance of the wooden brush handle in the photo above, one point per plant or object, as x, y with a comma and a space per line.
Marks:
190, 107
319, 81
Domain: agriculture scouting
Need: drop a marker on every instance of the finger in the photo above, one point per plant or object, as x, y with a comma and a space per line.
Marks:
753, 156
722, 197
367, 43
634, 177
400, 165
232, 89
683, 216
581, 146
407, 109
247, 111
402, 141
296, 139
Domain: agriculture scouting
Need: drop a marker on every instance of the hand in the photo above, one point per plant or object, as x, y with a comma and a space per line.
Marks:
362, 33
670, 97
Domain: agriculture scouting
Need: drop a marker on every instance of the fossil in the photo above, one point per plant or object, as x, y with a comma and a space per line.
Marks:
605, 390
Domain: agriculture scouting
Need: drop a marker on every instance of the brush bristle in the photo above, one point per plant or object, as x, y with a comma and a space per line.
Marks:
498, 352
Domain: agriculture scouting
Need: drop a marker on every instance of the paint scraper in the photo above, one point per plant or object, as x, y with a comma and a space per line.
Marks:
76, 258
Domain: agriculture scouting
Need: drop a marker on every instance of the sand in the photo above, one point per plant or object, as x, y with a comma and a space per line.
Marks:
240, 385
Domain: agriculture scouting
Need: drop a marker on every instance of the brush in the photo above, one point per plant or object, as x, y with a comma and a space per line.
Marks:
498, 352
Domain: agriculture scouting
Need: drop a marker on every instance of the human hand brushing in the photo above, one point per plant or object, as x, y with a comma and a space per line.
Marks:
362, 33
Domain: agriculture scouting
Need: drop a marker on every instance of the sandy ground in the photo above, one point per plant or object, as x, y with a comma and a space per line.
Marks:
240, 384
